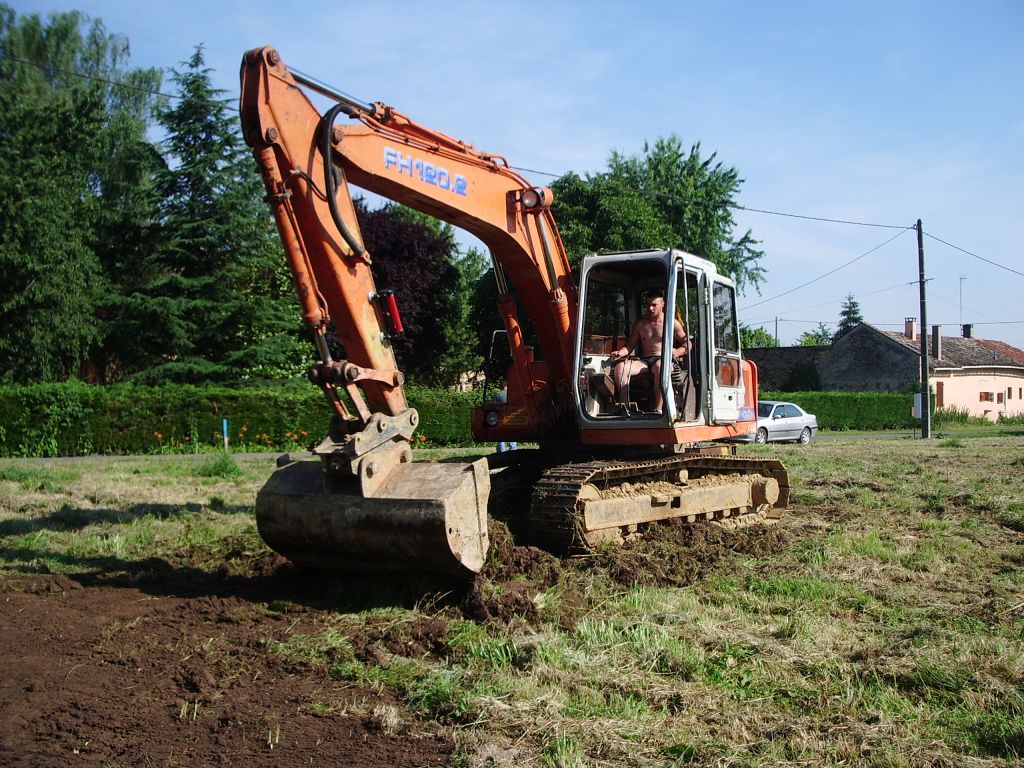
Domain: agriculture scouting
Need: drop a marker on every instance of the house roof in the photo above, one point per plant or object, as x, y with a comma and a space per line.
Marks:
958, 352
1004, 349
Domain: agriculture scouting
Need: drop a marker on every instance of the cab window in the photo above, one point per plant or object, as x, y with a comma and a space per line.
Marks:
726, 334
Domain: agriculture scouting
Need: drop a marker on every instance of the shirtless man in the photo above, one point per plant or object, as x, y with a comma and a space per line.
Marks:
647, 333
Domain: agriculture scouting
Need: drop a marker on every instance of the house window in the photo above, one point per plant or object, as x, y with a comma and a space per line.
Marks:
1009, 393
986, 397
999, 397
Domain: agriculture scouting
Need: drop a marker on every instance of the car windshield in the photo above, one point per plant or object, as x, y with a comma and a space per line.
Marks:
764, 410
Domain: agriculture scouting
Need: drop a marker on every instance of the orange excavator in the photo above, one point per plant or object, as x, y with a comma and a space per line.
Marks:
608, 462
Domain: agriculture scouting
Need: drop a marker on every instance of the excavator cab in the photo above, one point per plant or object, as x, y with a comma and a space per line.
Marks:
613, 293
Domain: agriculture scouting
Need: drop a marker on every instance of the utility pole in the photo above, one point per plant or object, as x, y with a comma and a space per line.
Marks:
962, 278
926, 399
777, 331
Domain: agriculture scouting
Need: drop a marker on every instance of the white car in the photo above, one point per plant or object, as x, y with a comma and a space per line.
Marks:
778, 421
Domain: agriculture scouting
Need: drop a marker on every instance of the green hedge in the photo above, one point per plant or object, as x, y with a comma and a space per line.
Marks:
854, 410
75, 419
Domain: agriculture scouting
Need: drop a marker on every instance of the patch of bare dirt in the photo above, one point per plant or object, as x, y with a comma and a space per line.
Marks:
426, 637
169, 661
118, 674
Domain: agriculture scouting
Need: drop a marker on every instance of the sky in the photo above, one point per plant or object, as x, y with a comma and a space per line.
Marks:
874, 112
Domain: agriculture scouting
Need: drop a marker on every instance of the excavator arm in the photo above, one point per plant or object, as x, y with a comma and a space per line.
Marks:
366, 504
308, 162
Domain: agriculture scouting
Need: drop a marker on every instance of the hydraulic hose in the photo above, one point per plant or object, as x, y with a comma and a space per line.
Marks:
330, 182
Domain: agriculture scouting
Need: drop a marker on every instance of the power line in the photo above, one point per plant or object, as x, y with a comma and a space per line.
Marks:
831, 272
869, 293
992, 320
48, 69
819, 218
827, 303
736, 206
980, 258
539, 173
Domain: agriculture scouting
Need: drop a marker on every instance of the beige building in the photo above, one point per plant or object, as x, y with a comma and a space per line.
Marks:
982, 376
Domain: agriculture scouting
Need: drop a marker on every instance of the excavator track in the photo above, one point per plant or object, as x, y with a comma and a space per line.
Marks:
575, 507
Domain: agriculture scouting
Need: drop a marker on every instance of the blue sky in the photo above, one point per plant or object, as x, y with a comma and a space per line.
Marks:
874, 112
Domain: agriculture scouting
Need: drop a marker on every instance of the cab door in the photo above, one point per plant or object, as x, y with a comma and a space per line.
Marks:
726, 370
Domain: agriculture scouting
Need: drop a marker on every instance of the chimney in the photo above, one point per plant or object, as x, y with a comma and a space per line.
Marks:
910, 328
936, 342
968, 330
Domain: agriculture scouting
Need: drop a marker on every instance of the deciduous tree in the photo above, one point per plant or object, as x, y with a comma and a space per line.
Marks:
755, 337
73, 166
417, 257
664, 197
819, 337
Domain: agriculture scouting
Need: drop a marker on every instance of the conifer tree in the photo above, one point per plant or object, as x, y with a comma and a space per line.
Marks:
221, 305
849, 317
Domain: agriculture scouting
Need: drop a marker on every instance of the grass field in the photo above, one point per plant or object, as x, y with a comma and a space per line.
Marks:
881, 623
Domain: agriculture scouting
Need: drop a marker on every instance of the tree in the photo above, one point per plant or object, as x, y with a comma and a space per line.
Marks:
755, 337
464, 351
416, 256
72, 152
819, 337
664, 197
605, 213
219, 304
849, 317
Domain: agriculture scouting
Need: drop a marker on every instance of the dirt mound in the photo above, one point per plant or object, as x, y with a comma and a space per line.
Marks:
507, 560
675, 553
513, 575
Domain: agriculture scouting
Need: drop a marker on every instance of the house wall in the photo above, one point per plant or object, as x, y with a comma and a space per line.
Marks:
776, 365
964, 390
863, 361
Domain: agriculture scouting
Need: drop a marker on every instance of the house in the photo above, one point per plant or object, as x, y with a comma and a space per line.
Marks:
983, 377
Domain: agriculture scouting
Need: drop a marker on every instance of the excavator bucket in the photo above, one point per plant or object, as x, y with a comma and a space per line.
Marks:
429, 517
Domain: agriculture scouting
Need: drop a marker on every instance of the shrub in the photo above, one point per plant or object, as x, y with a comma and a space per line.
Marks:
853, 410
951, 416
73, 419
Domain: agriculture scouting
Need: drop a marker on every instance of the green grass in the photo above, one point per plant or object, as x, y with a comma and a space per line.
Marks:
886, 628
223, 466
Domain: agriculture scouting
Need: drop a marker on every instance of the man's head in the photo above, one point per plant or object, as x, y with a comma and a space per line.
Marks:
655, 304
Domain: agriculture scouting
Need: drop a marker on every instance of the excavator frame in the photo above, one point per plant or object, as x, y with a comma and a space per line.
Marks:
364, 503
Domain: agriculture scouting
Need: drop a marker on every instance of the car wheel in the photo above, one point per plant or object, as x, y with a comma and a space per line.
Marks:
761, 436
805, 436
